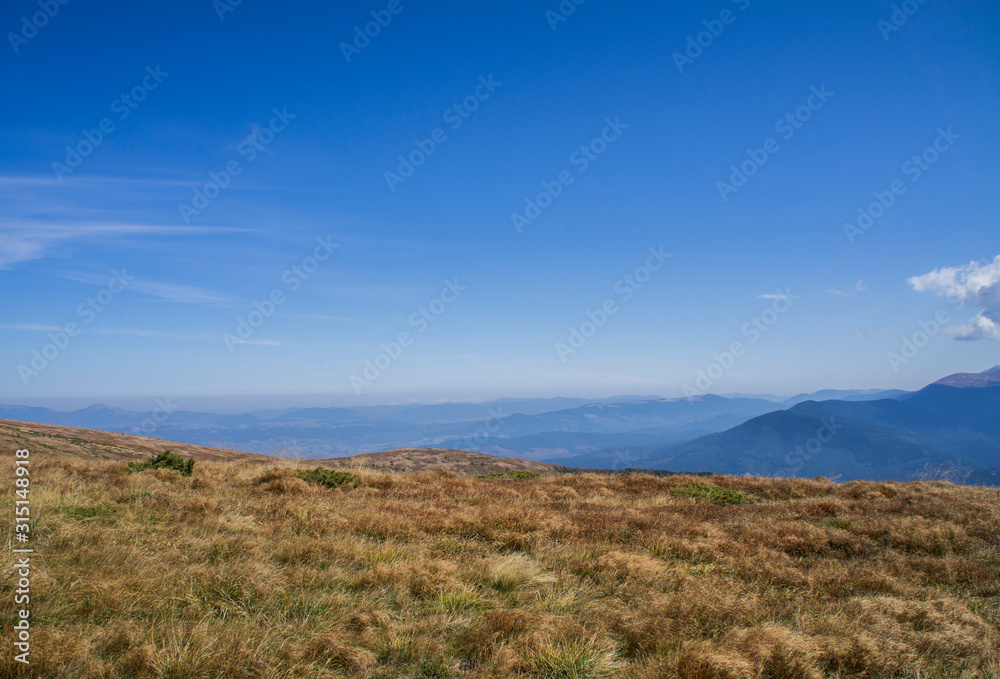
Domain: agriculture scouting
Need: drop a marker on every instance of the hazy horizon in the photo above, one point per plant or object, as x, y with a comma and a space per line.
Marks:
241, 403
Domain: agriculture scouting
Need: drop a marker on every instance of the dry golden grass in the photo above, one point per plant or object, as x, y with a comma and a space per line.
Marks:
243, 570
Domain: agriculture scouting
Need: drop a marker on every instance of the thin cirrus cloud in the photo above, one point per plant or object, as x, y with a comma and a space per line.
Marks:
976, 284
157, 334
31, 327
86, 181
75, 213
169, 292
27, 240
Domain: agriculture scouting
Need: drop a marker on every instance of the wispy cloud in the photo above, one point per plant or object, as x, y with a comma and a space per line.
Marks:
44, 218
48, 180
975, 284
325, 317
30, 327
859, 287
260, 342
170, 292
26, 240
154, 334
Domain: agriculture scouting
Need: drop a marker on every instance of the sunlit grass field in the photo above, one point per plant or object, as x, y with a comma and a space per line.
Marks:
248, 570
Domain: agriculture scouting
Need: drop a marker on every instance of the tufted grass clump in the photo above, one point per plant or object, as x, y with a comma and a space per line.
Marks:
576, 660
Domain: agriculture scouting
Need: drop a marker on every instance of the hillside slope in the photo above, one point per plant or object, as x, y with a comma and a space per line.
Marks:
92, 444
245, 570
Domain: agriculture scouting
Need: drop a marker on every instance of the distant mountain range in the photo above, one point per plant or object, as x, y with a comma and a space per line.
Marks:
540, 427
948, 429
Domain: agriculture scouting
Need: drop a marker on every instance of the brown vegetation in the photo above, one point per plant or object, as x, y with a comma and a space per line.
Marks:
112, 446
243, 570
423, 459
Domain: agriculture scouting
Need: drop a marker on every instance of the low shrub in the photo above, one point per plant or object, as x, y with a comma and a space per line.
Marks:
329, 477
164, 460
520, 475
714, 494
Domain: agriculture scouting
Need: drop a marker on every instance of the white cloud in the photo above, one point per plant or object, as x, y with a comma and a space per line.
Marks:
975, 284
981, 327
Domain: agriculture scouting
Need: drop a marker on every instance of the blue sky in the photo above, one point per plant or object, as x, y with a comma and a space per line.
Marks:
267, 91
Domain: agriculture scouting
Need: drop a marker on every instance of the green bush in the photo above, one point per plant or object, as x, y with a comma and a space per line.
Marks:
164, 460
714, 494
329, 477
512, 475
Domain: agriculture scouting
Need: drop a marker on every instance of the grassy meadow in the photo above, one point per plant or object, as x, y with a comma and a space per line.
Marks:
245, 569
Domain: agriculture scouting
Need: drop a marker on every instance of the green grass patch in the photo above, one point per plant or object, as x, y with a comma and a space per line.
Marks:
714, 494
330, 478
164, 460
101, 513
519, 475
842, 524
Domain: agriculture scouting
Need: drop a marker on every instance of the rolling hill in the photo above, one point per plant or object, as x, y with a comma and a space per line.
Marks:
46, 440
424, 459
